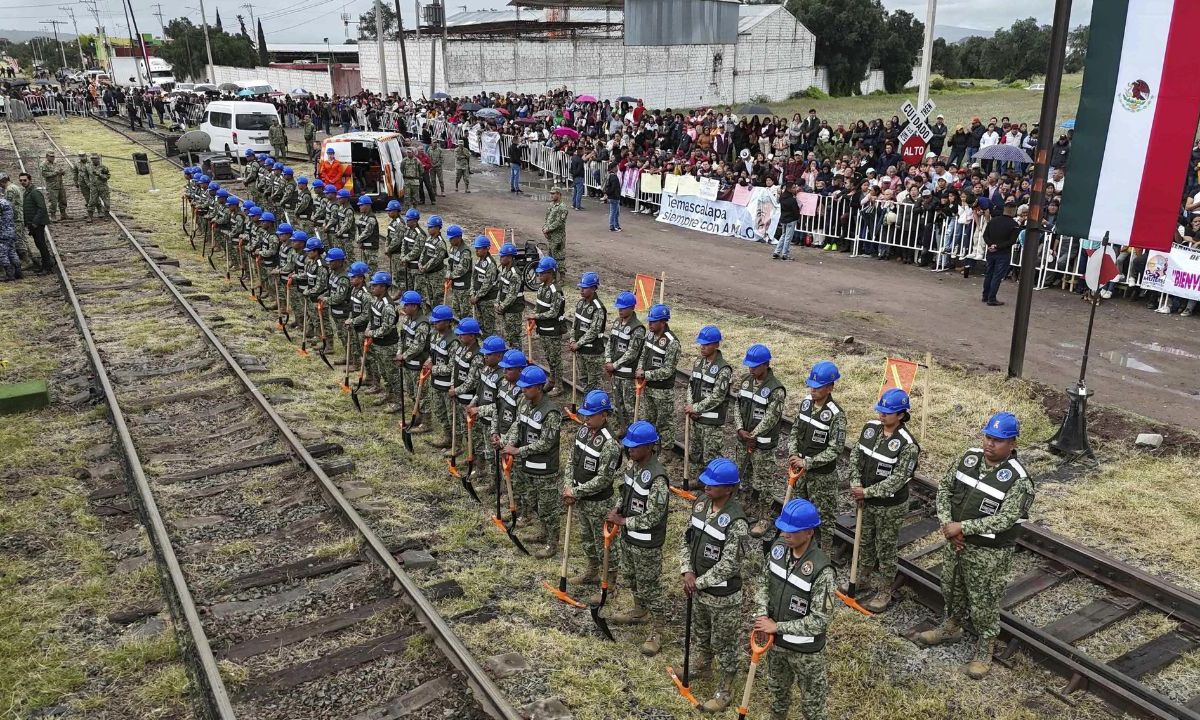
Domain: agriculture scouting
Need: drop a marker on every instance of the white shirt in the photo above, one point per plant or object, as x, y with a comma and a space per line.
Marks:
991, 137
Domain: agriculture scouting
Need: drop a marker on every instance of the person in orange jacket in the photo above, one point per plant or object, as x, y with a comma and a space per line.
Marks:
332, 171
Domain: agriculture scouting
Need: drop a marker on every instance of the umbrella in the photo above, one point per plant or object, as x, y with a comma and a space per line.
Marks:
1068, 124
626, 98
245, 92
470, 107
586, 99
502, 111
228, 87
205, 87
1003, 153
300, 92
544, 114
561, 131
755, 110
489, 113
526, 121
441, 96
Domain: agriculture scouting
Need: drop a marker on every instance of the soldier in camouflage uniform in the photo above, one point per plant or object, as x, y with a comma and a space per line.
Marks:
302, 217
16, 198
642, 516
282, 260
294, 278
587, 333
486, 390
510, 304
462, 166
380, 326
56, 194
441, 367
98, 175
414, 351
794, 602
464, 383
711, 562
708, 399
332, 213
360, 302
366, 231
548, 315
814, 445
437, 181
319, 207
393, 242
759, 410
410, 170
458, 268
588, 480
880, 468
310, 138
532, 442
411, 248
501, 415
656, 367
250, 167
431, 263
342, 230
981, 502
10, 262
621, 355
485, 285
287, 194
337, 297
278, 138
316, 285
555, 231
79, 174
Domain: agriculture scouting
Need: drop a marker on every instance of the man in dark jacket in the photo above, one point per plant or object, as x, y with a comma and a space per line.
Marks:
938, 141
514, 165
612, 191
999, 236
974, 135
577, 172
1059, 152
36, 219
789, 215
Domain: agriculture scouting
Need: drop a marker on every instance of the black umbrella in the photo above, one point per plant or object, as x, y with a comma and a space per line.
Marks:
470, 107
626, 98
755, 110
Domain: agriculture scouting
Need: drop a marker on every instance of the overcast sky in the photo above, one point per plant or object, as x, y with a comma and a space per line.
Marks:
311, 20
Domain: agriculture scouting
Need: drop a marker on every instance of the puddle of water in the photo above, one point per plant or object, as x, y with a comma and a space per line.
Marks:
1128, 361
1166, 350
1069, 345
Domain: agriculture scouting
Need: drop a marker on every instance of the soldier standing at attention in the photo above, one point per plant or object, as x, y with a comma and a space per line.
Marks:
441, 369
414, 350
278, 138
710, 561
83, 181
587, 332
642, 517
555, 229
414, 244
794, 603
814, 445
332, 213
462, 166
660, 357
510, 305
304, 204
588, 482
437, 181
98, 175
410, 170
393, 243
487, 392
337, 298
458, 267
550, 311
883, 463
625, 342
761, 398
503, 413
360, 301
431, 262
287, 195
294, 276
317, 217
16, 197
981, 503
56, 194
464, 382
485, 285
249, 168
708, 398
343, 233
381, 320
316, 284
532, 442
366, 231
310, 138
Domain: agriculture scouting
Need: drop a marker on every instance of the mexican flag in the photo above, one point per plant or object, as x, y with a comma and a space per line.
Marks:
1137, 118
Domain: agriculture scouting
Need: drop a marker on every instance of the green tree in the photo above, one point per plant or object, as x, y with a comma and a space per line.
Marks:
971, 56
1020, 52
366, 22
1077, 42
263, 58
947, 59
185, 49
899, 49
848, 34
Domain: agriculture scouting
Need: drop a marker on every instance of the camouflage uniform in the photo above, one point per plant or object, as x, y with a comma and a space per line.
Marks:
16, 197
595, 458
337, 303
316, 285
320, 210
644, 533
485, 286
499, 417
437, 181
98, 199
467, 362
79, 174
587, 332
360, 311
555, 229
413, 245
549, 314
462, 166
538, 446
511, 304
718, 564
759, 409
10, 262
431, 270
366, 236
343, 232
882, 465
380, 325
302, 220
660, 357
708, 394
310, 138
278, 140
393, 251
410, 170
56, 194
458, 266
441, 350
818, 436
624, 347
414, 351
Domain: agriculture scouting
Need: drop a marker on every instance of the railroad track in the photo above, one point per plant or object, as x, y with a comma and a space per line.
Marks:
287, 604
1051, 561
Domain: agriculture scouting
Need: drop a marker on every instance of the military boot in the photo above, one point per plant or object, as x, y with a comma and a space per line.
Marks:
879, 602
653, 643
981, 663
720, 699
702, 666
442, 442
949, 631
548, 551
588, 576
633, 616
539, 532
760, 528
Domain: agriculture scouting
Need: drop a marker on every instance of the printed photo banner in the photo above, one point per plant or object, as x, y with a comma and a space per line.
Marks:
1175, 273
489, 147
720, 217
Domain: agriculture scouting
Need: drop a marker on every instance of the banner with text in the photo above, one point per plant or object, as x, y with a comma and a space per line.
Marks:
1175, 273
719, 217
489, 147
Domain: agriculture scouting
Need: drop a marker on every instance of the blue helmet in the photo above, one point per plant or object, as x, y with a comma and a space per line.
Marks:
435, 221
720, 471
441, 313
187, 172
625, 300
757, 354
596, 401
330, 189
708, 335
300, 236
222, 193
254, 211
318, 184
287, 171
493, 344
822, 374
532, 376
640, 433
454, 231
231, 200
314, 245
547, 264
393, 206
412, 214
268, 216
513, 358
249, 152
481, 242
1002, 426
334, 253
508, 250
589, 280
277, 166
893, 400
343, 193
330, 151
283, 229
659, 312
467, 326
381, 277
364, 199
301, 180
799, 514
359, 269
410, 297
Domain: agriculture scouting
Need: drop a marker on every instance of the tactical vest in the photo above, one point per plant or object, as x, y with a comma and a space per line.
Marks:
531, 429
270, 251
436, 248
875, 465
480, 277
439, 350
311, 270
456, 257
489, 386
587, 313
979, 491
304, 204
814, 430
618, 342
789, 592
506, 280
585, 460
299, 278
706, 541
411, 327
545, 301
342, 311
753, 405
634, 494
703, 384
411, 235
654, 354
377, 308
463, 357
507, 403
367, 224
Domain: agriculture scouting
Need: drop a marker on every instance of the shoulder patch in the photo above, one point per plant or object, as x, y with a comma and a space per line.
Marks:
745, 384
712, 369
583, 432
723, 520
777, 552
645, 476
894, 444
598, 440
805, 404
869, 432
765, 392
1004, 475
971, 461
537, 416
699, 506
826, 416
806, 568
662, 341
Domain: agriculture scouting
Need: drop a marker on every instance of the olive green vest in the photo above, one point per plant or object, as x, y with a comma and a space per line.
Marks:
439, 349
789, 592
634, 494
587, 313
508, 401
702, 384
706, 540
979, 491
545, 300
585, 459
531, 428
654, 354
875, 464
463, 357
411, 327
618, 342
753, 402
814, 430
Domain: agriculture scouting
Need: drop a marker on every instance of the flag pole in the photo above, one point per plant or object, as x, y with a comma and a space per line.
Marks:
1087, 343
1033, 232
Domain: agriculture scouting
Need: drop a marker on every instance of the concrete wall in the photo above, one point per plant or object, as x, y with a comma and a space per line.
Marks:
316, 82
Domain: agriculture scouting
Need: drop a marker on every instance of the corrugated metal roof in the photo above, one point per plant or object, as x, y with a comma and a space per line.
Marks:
338, 48
477, 17
751, 15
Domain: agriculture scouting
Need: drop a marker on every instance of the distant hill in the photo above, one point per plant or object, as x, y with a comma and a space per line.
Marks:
26, 35
954, 33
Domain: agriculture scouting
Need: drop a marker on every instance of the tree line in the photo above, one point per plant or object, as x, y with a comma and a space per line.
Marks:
1019, 52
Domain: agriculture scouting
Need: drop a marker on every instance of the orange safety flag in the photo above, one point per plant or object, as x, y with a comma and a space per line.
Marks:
496, 236
643, 290
898, 374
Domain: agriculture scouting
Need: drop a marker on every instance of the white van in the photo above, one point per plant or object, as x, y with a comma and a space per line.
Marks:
233, 126
374, 158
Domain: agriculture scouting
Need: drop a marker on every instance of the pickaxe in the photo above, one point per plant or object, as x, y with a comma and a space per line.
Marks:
851, 586
609, 531
513, 512
573, 408
683, 686
321, 322
756, 653
416, 418
362, 373
561, 591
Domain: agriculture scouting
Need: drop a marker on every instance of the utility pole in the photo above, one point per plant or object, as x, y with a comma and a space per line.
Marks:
159, 13
137, 66
417, 25
54, 24
445, 41
207, 45
403, 53
141, 43
383, 79
108, 51
330, 67
70, 11
250, 8
927, 53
